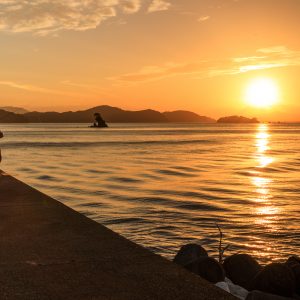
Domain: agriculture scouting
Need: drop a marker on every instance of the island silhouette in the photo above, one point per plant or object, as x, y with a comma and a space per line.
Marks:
237, 120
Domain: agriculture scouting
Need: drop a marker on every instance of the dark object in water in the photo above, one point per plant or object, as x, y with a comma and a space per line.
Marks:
207, 268
188, 254
294, 264
241, 269
275, 278
96, 126
99, 122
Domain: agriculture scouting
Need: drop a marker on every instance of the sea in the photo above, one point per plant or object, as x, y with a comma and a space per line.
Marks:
166, 185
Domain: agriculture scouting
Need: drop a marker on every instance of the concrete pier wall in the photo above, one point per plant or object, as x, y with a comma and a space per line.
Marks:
49, 251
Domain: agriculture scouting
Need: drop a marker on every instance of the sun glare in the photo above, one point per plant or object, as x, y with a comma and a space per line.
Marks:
262, 93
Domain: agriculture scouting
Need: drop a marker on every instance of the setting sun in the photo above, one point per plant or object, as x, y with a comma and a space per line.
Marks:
262, 93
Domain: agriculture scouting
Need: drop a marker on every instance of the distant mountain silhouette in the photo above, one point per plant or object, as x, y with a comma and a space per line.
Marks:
237, 120
10, 117
117, 115
111, 115
16, 110
186, 116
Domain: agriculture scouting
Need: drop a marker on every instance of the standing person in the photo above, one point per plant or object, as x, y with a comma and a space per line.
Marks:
1, 136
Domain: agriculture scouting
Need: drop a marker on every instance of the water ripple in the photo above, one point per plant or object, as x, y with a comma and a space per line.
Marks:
163, 185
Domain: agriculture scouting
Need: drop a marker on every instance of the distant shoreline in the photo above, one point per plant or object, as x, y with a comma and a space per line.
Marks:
113, 115
117, 115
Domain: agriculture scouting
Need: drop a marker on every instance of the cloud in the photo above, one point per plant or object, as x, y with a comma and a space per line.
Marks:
43, 17
22, 86
158, 5
130, 6
276, 49
272, 57
32, 88
265, 58
94, 89
203, 18
151, 73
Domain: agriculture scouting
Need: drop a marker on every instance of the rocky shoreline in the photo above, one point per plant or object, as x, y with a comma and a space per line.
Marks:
242, 275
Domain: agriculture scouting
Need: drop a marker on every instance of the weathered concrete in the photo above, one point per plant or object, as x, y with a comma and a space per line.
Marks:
49, 251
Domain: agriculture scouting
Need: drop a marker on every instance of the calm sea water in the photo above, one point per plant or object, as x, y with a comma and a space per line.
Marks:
166, 185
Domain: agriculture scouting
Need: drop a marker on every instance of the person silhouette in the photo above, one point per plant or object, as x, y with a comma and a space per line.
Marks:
1, 136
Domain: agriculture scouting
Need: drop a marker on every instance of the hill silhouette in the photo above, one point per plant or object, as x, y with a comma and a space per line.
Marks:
187, 116
17, 110
237, 120
110, 114
9, 117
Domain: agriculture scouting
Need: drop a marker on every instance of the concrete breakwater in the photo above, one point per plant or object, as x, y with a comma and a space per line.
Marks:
49, 251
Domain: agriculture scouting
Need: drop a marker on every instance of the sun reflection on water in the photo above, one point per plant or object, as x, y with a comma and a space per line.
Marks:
266, 212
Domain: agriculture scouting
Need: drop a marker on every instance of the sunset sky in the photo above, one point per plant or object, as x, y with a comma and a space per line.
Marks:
198, 55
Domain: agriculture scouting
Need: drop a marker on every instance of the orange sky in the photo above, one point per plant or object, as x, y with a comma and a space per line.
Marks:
160, 54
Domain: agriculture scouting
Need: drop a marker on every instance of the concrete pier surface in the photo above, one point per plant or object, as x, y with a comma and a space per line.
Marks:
49, 251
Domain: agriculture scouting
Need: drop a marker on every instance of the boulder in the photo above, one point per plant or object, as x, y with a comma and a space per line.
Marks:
241, 269
275, 278
294, 264
294, 259
189, 253
207, 268
296, 271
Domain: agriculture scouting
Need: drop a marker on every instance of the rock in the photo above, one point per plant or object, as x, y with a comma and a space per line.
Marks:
223, 285
208, 268
257, 295
275, 278
241, 269
233, 289
294, 264
195, 259
189, 253
294, 259
236, 290
296, 271
99, 122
